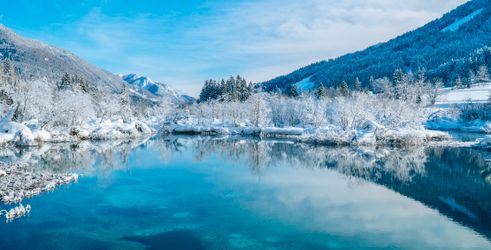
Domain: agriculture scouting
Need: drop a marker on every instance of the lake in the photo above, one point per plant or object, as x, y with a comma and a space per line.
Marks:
236, 193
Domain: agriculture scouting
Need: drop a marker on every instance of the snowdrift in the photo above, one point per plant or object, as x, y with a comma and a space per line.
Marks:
31, 134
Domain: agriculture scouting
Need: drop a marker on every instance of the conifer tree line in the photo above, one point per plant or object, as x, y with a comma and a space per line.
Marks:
74, 82
232, 89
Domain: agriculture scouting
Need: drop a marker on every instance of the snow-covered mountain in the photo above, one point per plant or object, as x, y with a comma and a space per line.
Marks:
154, 90
35, 60
447, 49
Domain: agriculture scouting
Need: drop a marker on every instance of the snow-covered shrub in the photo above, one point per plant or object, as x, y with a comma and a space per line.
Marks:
71, 108
360, 111
258, 113
287, 112
471, 111
35, 101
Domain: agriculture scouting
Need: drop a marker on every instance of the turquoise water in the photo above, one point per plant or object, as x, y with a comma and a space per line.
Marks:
197, 193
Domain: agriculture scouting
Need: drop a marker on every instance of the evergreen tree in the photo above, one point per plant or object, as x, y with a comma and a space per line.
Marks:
293, 91
321, 91
421, 75
482, 74
398, 77
234, 89
458, 83
9, 76
65, 83
358, 84
344, 89
204, 95
371, 84
472, 78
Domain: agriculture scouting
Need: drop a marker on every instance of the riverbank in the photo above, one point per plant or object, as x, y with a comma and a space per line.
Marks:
371, 134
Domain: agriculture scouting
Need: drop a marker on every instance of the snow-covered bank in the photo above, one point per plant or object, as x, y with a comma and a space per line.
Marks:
462, 109
451, 96
325, 136
31, 134
357, 119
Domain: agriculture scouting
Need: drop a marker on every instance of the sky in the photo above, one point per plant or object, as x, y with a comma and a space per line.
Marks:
184, 42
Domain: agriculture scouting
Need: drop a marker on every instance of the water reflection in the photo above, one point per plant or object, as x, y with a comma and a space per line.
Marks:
453, 181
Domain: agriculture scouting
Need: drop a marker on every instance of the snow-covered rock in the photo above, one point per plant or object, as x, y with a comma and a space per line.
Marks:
119, 130
13, 132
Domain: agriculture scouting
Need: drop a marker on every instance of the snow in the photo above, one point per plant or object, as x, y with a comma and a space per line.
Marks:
29, 134
483, 143
450, 104
305, 85
480, 93
141, 82
459, 22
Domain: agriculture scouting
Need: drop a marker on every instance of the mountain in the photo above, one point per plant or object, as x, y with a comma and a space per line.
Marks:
446, 48
35, 60
154, 90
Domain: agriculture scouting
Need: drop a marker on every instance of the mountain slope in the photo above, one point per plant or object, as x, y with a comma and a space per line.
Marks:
154, 90
446, 48
36, 60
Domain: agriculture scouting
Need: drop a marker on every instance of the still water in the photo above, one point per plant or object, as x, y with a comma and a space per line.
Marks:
199, 193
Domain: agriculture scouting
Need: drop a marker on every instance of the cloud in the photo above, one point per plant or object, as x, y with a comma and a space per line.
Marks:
324, 201
257, 39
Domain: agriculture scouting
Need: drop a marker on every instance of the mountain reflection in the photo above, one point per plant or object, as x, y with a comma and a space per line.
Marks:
454, 181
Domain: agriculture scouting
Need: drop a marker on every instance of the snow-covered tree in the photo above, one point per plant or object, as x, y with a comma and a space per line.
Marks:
321, 92
234, 89
258, 110
293, 91
398, 77
384, 85
344, 89
482, 74
434, 91
358, 84
458, 83
71, 108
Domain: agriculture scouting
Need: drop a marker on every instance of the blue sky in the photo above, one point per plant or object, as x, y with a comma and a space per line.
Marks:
184, 42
